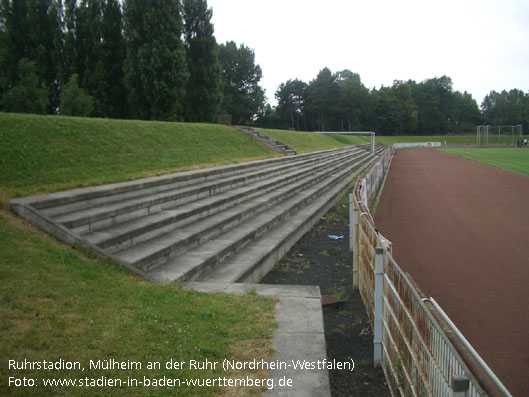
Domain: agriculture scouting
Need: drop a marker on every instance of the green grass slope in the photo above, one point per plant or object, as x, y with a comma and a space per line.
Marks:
56, 303
511, 159
304, 142
48, 153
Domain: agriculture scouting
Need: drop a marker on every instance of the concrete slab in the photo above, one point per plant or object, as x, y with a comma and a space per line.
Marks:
292, 291
300, 314
299, 340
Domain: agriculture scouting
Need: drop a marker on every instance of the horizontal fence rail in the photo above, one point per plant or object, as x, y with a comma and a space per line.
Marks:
411, 343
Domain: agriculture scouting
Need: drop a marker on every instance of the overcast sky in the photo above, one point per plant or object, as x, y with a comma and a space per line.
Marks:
482, 45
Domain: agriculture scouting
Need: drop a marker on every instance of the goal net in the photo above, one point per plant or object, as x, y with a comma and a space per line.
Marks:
498, 135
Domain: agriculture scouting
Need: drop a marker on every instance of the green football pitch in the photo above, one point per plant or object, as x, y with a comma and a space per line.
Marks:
512, 159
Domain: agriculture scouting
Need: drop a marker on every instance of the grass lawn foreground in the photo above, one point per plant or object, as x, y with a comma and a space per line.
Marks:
58, 304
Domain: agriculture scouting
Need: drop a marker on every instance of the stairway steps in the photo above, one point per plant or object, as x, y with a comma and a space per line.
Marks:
145, 227
93, 218
259, 256
221, 247
76, 199
151, 253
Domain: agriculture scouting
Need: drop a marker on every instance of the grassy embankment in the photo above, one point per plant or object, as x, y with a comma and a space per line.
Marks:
42, 154
57, 303
511, 159
305, 142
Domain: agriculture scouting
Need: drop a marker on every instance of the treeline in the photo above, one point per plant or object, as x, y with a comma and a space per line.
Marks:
159, 60
340, 102
143, 59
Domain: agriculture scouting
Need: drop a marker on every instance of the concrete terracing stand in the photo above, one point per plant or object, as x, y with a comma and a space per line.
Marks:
227, 225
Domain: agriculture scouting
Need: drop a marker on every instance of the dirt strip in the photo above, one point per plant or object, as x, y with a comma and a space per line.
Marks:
461, 229
318, 260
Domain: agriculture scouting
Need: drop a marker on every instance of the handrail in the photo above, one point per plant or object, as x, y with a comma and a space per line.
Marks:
475, 355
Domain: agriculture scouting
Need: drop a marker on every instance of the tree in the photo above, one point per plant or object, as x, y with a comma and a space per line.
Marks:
74, 101
466, 115
155, 65
94, 49
243, 98
291, 98
4, 61
87, 39
26, 95
31, 30
322, 98
108, 91
270, 119
69, 48
386, 112
204, 90
353, 102
407, 114
430, 118
506, 108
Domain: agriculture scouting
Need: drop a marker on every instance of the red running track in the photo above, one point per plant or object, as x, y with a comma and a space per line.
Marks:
461, 229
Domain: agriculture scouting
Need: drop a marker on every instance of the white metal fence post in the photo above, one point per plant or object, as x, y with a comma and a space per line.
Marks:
355, 248
379, 302
351, 224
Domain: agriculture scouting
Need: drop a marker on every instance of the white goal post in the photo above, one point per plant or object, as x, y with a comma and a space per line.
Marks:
498, 135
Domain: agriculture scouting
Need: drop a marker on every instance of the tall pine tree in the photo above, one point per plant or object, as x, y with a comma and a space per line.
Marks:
155, 65
31, 30
111, 95
204, 92
87, 41
94, 49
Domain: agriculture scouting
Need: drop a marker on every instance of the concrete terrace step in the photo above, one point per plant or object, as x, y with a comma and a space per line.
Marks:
92, 214
259, 257
69, 200
146, 255
231, 222
167, 219
212, 254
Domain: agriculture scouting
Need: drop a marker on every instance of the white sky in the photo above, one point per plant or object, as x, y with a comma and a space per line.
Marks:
482, 45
